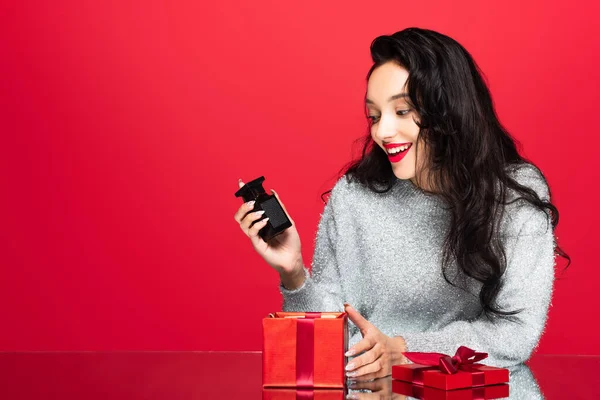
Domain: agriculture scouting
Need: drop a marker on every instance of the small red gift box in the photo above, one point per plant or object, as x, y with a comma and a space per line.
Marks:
428, 393
304, 394
305, 349
444, 372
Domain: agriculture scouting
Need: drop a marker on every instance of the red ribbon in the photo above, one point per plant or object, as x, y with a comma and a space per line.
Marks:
305, 350
305, 394
463, 360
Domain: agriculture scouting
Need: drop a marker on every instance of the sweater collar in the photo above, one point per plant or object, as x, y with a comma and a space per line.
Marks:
405, 190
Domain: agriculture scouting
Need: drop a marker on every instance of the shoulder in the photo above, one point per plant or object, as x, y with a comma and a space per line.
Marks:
349, 200
530, 176
520, 216
346, 189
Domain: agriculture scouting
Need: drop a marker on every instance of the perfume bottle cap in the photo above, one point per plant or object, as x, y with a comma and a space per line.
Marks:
251, 190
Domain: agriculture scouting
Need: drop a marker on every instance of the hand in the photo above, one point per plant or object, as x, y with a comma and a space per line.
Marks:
379, 351
283, 252
381, 389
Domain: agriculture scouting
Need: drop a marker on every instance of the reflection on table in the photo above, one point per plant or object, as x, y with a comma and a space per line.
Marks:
238, 375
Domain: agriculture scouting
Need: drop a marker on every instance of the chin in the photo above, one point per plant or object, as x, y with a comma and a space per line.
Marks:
403, 174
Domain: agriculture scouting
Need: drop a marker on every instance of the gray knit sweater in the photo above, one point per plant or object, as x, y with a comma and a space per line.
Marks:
382, 254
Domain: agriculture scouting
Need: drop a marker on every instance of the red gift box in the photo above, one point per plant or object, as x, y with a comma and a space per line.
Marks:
304, 394
428, 393
305, 349
444, 372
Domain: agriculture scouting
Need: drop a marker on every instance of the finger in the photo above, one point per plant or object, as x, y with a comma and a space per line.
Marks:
373, 386
369, 368
248, 220
373, 375
363, 396
243, 211
360, 321
366, 358
240, 183
253, 232
283, 205
364, 345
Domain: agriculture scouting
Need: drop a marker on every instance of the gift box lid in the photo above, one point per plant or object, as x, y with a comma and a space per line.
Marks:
302, 315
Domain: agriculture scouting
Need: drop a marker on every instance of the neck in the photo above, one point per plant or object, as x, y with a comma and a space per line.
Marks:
422, 184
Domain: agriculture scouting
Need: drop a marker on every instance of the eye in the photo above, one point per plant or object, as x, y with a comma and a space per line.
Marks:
372, 118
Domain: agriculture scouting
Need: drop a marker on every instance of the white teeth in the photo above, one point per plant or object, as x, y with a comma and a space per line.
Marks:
397, 150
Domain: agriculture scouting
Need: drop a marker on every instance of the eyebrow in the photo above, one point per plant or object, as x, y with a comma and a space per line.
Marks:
394, 97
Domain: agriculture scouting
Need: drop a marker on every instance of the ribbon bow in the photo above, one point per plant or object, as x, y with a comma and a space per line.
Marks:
462, 359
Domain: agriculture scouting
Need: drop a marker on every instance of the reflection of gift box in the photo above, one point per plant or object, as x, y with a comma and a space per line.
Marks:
444, 372
428, 393
304, 394
305, 349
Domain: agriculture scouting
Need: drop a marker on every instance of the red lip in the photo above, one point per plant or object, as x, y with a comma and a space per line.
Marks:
392, 145
396, 158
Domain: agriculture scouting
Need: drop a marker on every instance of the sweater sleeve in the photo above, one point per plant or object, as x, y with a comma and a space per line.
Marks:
321, 291
527, 285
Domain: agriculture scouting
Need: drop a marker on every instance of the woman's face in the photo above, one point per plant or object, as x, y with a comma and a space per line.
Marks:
392, 120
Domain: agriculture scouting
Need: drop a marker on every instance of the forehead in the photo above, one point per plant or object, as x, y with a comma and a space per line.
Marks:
386, 80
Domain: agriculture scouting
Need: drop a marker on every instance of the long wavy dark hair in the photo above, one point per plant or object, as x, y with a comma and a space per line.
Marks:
469, 152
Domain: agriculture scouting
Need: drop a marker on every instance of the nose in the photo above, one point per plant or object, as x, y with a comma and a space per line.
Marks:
385, 129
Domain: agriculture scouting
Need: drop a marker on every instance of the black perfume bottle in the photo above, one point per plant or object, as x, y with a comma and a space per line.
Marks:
278, 219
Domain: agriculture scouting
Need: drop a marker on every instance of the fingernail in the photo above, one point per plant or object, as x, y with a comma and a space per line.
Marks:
346, 304
261, 212
349, 367
352, 396
250, 204
349, 353
350, 374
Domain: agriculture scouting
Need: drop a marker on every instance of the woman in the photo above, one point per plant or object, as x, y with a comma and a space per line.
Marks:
441, 235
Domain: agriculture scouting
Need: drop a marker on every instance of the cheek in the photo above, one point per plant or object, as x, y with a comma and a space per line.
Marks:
421, 155
374, 137
413, 130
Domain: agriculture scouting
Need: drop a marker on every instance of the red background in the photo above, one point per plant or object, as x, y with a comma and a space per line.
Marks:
125, 126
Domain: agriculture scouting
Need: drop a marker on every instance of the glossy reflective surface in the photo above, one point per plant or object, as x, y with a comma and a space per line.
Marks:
205, 375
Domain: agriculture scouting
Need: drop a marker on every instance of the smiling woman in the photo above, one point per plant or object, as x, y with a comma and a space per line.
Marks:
441, 234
